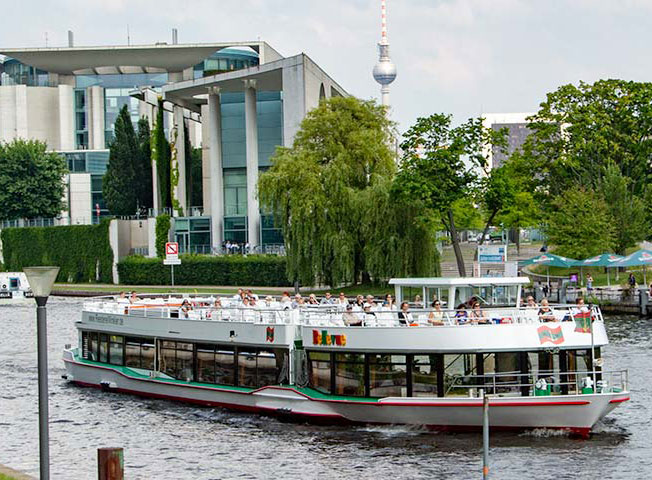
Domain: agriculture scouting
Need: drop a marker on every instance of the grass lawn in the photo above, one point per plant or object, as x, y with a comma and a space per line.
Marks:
5, 477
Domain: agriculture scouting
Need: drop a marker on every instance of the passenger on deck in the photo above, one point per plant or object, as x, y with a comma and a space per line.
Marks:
122, 298
238, 296
370, 302
133, 298
312, 299
327, 299
417, 302
436, 317
477, 315
297, 298
351, 319
404, 315
531, 303
579, 307
359, 301
369, 316
545, 312
285, 299
389, 302
251, 294
461, 317
246, 303
269, 300
185, 307
342, 300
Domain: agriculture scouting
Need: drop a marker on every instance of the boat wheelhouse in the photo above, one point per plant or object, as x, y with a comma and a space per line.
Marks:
541, 371
14, 287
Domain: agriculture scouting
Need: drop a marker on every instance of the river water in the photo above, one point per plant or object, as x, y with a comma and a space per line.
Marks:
167, 440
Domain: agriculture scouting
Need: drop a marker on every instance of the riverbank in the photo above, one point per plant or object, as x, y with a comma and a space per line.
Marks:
7, 473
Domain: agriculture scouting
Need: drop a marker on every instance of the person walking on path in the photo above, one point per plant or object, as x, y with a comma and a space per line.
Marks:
589, 284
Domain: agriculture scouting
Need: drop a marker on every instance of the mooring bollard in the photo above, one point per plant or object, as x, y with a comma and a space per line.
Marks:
110, 464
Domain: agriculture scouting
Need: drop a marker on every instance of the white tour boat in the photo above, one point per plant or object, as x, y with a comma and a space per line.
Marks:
541, 368
14, 288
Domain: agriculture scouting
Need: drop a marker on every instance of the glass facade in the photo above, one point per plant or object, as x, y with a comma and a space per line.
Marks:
269, 107
81, 125
14, 72
193, 234
114, 100
226, 60
94, 161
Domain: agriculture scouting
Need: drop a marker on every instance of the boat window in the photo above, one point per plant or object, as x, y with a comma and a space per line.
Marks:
349, 374
176, 360
269, 365
104, 348
206, 363
320, 371
116, 350
424, 376
387, 375
459, 370
224, 365
90, 345
247, 367
139, 353
578, 361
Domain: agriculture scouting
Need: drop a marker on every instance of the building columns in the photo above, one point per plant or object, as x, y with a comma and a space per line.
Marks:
95, 119
180, 191
215, 168
251, 133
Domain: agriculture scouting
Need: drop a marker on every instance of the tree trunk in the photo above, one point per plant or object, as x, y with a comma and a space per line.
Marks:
518, 240
456, 244
486, 227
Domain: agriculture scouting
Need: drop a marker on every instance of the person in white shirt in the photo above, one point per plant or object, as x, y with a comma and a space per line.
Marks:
328, 299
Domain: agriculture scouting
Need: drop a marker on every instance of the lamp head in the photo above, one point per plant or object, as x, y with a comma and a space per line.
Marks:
41, 279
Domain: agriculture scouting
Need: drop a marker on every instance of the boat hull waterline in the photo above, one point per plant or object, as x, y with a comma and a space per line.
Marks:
574, 413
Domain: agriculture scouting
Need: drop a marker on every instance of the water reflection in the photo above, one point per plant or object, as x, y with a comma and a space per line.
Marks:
171, 440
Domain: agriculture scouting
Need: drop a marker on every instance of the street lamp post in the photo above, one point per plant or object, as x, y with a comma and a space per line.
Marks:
41, 280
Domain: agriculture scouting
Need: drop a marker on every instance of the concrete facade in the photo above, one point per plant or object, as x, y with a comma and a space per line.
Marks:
516, 125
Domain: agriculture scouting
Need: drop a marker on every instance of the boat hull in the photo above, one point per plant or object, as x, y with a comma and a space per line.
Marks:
575, 413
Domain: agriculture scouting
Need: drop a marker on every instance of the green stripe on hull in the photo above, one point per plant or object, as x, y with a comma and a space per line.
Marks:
307, 391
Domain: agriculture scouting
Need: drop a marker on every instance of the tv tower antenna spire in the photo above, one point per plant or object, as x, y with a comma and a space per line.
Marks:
385, 70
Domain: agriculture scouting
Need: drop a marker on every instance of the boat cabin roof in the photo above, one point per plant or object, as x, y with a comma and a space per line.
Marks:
459, 281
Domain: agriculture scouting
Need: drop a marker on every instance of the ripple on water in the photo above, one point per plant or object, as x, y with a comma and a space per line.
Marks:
212, 443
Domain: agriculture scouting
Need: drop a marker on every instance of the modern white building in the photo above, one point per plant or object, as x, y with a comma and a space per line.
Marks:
237, 100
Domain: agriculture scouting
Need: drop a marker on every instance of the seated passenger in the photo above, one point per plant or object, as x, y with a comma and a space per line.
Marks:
312, 299
477, 315
285, 298
133, 298
404, 315
185, 308
328, 299
342, 300
351, 319
530, 302
436, 317
461, 317
417, 301
122, 298
545, 312
369, 316
389, 302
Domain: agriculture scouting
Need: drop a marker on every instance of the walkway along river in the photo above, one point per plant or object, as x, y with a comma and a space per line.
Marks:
167, 440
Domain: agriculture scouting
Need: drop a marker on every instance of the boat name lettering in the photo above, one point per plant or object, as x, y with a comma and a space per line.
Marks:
324, 338
105, 319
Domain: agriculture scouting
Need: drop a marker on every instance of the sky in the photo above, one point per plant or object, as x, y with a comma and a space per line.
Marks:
462, 57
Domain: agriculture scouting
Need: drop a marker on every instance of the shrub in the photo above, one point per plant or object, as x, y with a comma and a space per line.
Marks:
80, 251
162, 232
258, 270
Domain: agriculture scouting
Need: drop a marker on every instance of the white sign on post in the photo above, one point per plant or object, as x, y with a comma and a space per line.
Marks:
172, 257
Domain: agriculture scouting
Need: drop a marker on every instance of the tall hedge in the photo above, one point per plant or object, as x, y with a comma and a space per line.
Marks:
258, 270
75, 249
162, 234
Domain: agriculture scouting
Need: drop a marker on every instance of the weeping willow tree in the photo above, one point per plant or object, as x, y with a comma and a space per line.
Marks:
331, 194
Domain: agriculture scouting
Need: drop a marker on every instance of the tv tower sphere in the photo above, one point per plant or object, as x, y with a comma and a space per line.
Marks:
385, 70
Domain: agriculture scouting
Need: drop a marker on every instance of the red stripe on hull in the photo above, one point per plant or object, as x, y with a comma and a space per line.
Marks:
619, 400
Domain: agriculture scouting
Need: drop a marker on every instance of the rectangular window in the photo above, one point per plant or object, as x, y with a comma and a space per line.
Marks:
206, 363
424, 376
387, 375
225, 365
247, 367
349, 374
320, 371
267, 370
132, 352
104, 348
116, 352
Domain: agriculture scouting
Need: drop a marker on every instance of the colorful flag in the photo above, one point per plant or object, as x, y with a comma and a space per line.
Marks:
583, 322
270, 334
552, 335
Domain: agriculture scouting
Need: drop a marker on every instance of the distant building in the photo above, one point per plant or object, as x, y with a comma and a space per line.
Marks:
517, 132
238, 100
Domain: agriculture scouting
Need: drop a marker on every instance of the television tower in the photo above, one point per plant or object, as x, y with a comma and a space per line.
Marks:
384, 70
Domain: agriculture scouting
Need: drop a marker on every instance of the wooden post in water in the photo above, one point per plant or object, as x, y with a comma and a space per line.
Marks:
485, 435
110, 464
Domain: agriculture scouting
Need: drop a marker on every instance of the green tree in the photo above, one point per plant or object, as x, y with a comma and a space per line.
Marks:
580, 130
497, 193
119, 184
160, 150
143, 167
580, 225
31, 180
330, 193
628, 211
522, 211
440, 165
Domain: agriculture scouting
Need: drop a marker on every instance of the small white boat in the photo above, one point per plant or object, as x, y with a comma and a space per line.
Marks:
14, 288
425, 367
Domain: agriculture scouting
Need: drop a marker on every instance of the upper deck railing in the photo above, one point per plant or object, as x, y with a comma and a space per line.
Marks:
335, 315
